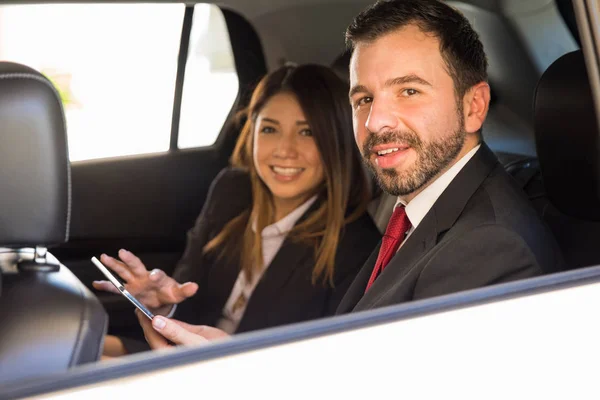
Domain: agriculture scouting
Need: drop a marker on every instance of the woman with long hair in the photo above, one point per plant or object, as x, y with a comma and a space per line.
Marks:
284, 230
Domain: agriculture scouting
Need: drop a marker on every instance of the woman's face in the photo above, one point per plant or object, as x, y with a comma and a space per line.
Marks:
285, 153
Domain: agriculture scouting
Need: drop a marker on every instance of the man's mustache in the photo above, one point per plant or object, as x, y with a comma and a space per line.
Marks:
410, 139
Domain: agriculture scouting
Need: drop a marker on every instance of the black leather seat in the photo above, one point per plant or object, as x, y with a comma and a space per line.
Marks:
568, 145
49, 321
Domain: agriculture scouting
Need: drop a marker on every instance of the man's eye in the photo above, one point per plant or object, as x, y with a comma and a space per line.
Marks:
409, 92
363, 100
267, 129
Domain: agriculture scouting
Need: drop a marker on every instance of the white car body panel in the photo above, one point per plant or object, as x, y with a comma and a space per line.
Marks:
537, 346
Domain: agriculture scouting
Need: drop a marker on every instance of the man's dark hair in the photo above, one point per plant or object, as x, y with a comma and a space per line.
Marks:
460, 46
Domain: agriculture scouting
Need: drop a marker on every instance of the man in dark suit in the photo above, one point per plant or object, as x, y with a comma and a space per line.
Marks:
420, 96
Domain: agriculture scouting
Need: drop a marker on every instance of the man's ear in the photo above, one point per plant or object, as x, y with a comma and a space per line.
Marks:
476, 103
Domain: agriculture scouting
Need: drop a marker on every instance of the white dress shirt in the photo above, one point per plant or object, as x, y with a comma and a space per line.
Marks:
422, 203
272, 239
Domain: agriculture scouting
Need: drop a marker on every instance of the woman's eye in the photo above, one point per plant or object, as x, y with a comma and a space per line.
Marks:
267, 129
306, 132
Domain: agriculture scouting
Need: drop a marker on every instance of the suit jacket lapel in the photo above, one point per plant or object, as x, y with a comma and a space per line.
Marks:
219, 282
292, 257
438, 220
289, 260
417, 245
453, 200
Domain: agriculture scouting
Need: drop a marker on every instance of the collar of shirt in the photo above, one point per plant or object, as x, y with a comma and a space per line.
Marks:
285, 224
422, 203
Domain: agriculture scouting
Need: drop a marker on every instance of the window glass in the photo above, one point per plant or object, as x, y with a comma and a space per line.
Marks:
211, 84
114, 65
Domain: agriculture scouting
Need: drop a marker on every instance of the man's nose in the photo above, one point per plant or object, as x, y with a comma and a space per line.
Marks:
382, 116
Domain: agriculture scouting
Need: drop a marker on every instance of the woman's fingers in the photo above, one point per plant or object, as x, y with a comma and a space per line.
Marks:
118, 267
185, 290
136, 265
207, 332
158, 277
105, 286
177, 333
154, 339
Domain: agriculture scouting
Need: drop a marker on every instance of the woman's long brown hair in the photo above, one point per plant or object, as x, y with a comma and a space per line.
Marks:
345, 192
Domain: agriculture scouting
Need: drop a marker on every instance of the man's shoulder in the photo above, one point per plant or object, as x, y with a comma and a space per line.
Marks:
502, 207
500, 199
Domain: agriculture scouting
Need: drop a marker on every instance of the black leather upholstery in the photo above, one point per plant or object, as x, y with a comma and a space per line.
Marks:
34, 168
49, 321
567, 138
567, 141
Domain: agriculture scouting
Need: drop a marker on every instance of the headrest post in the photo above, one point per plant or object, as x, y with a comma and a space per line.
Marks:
39, 263
40, 255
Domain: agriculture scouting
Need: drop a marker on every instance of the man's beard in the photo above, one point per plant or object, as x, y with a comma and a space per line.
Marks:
432, 158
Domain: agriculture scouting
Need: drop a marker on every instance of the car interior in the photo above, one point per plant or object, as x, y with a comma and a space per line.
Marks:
57, 213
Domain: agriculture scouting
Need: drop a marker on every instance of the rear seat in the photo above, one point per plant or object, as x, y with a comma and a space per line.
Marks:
568, 145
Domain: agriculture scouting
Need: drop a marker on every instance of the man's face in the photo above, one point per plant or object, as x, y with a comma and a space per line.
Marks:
408, 123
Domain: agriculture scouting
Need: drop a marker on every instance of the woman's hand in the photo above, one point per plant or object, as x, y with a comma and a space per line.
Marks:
161, 329
153, 288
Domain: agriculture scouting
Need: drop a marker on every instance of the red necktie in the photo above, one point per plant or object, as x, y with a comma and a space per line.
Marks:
395, 232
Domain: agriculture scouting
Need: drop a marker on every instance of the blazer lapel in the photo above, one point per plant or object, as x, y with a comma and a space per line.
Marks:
289, 259
219, 281
292, 257
417, 245
453, 200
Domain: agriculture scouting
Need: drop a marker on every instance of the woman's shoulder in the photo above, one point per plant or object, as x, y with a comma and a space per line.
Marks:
363, 226
232, 176
358, 240
230, 192
359, 236
230, 181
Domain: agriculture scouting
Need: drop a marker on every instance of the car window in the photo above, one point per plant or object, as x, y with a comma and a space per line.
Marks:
117, 83
211, 85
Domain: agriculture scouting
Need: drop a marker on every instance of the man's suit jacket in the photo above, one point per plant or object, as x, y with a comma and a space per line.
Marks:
285, 293
481, 231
